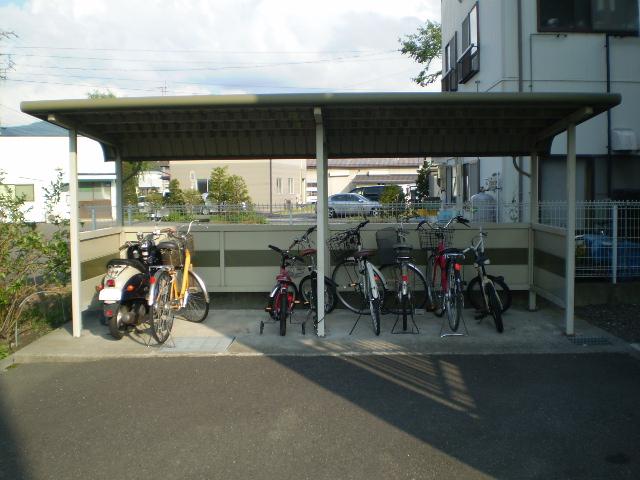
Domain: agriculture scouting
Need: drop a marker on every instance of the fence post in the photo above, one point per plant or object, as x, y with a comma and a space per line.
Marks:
129, 214
290, 213
614, 244
94, 222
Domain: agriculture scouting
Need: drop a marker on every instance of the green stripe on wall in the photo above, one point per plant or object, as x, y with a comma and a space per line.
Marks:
96, 267
549, 262
268, 258
206, 258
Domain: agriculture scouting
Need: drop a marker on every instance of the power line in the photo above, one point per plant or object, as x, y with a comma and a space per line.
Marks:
203, 69
223, 52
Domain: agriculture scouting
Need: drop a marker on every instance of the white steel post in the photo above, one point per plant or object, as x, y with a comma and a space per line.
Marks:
459, 187
570, 260
533, 219
322, 216
74, 234
119, 198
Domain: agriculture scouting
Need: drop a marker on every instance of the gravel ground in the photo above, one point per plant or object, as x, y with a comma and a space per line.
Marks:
622, 320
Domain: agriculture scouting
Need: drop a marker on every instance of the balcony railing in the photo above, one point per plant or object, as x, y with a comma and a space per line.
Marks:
450, 81
469, 63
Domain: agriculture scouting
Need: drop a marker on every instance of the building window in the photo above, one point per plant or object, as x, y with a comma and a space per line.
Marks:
203, 185
94, 191
19, 190
469, 63
291, 187
278, 185
450, 77
618, 17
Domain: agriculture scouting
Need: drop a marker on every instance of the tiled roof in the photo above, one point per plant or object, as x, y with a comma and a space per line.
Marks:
36, 129
369, 162
385, 179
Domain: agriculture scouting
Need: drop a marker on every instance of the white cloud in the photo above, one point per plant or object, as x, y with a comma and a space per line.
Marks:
206, 46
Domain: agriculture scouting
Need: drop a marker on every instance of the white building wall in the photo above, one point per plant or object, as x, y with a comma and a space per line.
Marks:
553, 63
37, 160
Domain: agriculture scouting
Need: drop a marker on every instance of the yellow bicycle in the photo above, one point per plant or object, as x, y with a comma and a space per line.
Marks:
175, 287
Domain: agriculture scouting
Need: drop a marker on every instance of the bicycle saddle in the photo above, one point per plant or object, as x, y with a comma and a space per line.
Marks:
363, 253
308, 251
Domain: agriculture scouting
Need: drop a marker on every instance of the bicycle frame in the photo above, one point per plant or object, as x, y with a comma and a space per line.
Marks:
479, 263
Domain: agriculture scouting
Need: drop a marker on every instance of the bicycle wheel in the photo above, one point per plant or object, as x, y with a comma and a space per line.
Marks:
162, 313
477, 299
494, 306
374, 309
197, 307
348, 287
453, 297
434, 295
306, 286
418, 289
283, 313
116, 327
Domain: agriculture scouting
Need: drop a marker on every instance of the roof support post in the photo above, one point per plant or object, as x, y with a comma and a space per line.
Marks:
459, 186
533, 219
322, 204
74, 234
119, 218
570, 260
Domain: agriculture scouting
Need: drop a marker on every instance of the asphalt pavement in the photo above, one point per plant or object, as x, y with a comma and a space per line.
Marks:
534, 416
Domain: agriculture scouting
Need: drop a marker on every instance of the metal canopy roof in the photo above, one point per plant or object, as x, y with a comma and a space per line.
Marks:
356, 125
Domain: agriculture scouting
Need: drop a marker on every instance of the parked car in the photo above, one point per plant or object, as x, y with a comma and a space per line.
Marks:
372, 192
343, 204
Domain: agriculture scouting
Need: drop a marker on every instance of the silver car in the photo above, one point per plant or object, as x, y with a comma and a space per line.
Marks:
343, 204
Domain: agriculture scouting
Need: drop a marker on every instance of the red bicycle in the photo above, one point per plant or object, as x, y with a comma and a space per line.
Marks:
444, 263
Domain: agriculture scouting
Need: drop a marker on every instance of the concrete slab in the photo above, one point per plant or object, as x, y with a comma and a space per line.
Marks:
236, 332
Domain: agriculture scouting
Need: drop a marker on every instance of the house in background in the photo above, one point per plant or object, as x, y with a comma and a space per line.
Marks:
269, 181
31, 157
346, 174
155, 179
548, 46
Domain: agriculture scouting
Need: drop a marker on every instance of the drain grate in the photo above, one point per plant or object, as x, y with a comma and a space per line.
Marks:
578, 340
218, 344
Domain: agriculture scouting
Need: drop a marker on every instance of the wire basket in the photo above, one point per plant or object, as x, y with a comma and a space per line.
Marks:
385, 240
297, 268
430, 238
341, 245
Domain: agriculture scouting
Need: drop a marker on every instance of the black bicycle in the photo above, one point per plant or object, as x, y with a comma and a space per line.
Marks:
489, 295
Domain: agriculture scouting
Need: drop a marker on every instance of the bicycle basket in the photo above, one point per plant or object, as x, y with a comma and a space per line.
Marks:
430, 238
173, 251
341, 245
297, 268
386, 239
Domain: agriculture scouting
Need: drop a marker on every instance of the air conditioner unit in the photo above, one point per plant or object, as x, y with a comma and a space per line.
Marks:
623, 139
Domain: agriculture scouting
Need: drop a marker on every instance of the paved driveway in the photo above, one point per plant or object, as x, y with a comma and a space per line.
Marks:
334, 417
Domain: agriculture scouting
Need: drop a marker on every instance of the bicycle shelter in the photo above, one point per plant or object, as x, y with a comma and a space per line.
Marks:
321, 125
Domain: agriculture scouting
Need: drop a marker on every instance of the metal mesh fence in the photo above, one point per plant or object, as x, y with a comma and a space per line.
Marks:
607, 237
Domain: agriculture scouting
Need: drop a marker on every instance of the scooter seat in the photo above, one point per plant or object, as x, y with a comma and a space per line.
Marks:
130, 262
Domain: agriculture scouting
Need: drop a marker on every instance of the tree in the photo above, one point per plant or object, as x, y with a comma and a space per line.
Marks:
176, 197
424, 46
422, 182
392, 194
225, 188
29, 261
192, 197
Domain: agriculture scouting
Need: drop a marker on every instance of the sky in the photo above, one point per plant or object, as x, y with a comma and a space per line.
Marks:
67, 48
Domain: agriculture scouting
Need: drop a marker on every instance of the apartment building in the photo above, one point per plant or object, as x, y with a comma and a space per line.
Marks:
548, 46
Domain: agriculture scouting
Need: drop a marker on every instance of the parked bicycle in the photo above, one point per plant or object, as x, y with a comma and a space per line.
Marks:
360, 286
489, 295
407, 286
175, 287
309, 284
445, 293
285, 295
